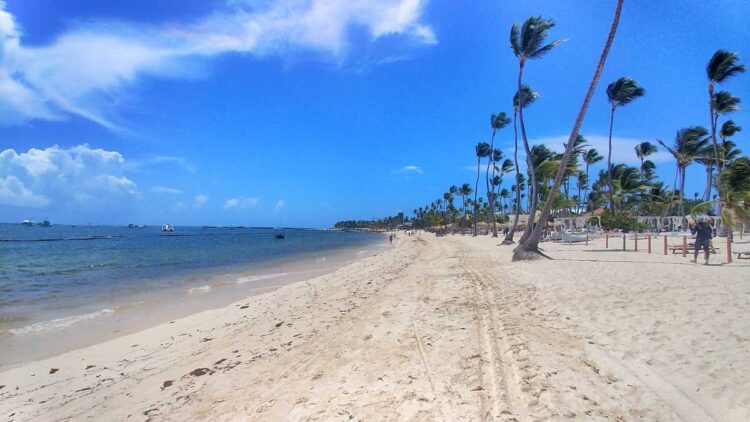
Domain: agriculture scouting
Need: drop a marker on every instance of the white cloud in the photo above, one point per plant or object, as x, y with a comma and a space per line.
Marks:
79, 176
85, 71
164, 189
200, 200
410, 169
241, 203
143, 164
279, 205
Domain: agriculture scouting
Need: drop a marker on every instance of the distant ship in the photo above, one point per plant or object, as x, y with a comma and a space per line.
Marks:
167, 228
45, 223
28, 223
280, 236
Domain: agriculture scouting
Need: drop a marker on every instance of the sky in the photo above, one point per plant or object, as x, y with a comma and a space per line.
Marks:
306, 112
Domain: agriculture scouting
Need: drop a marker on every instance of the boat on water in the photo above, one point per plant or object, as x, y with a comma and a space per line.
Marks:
167, 228
45, 223
28, 223
280, 236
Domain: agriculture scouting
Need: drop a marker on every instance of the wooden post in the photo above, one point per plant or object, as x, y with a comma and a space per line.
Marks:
587, 240
649, 243
623, 242
606, 240
665, 244
729, 249
684, 246
636, 242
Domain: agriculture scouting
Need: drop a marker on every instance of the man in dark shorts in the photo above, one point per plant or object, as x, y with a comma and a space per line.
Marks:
703, 234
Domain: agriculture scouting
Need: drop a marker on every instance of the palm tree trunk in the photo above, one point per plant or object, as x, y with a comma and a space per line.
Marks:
529, 249
533, 187
709, 179
609, 162
476, 191
509, 237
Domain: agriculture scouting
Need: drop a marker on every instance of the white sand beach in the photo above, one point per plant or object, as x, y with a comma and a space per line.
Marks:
430, 329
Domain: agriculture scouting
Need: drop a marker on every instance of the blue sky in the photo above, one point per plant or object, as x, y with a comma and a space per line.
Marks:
294, 112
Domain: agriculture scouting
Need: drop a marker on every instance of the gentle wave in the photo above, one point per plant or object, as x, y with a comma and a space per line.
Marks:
248, 279
67, 321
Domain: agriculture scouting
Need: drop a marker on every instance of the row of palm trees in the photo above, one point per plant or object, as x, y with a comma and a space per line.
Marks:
619, 187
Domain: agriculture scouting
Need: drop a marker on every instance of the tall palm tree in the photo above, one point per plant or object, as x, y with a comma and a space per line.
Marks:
522, 99
734, 193
687, 146
619, 93
590, 157
529, 248
481, 150
643, 150
465, 191
497, 122
528, 42
722, 66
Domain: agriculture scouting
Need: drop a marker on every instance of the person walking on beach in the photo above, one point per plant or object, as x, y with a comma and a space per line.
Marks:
390, 238
703, 234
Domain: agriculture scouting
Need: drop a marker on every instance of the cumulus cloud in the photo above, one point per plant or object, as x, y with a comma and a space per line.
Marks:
200, 200
79, 176
83, 70
241, 203
164, 189
410, 169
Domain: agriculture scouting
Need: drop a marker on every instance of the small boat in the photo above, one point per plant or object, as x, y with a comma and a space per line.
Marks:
280, 236
45, 223
167, 228
28, 223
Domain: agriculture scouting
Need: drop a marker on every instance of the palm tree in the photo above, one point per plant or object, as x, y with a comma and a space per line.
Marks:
643, 150
529, 248
528, 42
687, 146
481, 150
723, 65
465, 191
734, 193
497, 122
619, 93
527, 97
590, 157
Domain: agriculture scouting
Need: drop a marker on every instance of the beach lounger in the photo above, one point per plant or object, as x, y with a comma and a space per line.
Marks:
743, 255
690, 248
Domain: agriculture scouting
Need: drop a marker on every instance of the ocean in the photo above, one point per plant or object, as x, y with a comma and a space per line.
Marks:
63, 287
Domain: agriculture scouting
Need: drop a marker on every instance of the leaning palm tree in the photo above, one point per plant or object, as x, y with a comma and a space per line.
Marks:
643, 150
734, 194
529, 248
723, 65
523, 98
494, 157
619, 93
528, 42
687, 146
481, 150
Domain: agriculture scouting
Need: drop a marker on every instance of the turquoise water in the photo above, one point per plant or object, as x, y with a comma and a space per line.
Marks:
53, 276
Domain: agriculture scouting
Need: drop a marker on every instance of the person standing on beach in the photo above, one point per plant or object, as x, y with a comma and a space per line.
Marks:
703, 234
390, 238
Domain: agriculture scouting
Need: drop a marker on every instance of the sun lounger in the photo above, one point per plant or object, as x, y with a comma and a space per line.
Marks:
690, 248
743, 255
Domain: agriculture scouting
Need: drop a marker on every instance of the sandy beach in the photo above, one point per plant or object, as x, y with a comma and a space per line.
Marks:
430, 329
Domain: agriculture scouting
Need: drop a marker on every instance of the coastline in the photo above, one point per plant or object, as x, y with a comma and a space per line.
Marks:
53, 333
432, 328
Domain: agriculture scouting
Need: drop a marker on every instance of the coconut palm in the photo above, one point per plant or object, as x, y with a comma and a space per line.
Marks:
497, 122
734, 193
590, 157
529, 248
481, 150
528, 42
465, 191
722, 66
619, 93
643, 150
687, 146
522, 99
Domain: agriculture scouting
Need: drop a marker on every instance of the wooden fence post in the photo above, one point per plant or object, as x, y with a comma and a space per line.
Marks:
729, 249
665, 244
684, 246
623, 242
606, 240
636, 242
587, 240
649, 243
